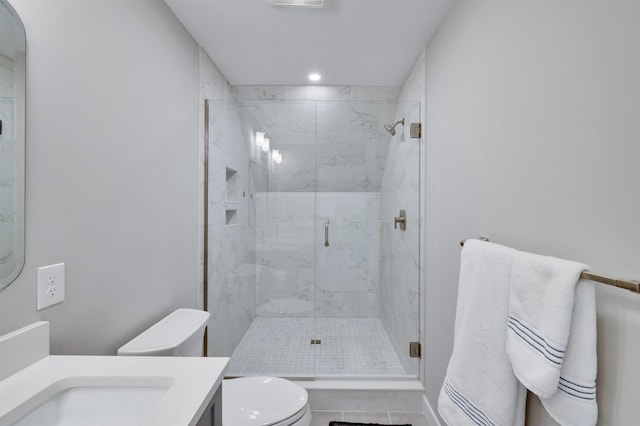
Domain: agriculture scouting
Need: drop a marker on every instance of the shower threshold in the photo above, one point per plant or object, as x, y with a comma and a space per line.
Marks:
402, 395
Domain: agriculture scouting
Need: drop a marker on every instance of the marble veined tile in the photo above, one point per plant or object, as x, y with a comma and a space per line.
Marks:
212, 82
350, 136
354, 117
324, 93
231, 262
316, 92
258, 92
291, 117
375, 93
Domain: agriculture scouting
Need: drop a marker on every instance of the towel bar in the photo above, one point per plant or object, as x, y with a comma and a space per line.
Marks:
631, 285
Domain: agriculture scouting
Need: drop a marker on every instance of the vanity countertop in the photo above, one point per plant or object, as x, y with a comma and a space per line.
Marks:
192, 383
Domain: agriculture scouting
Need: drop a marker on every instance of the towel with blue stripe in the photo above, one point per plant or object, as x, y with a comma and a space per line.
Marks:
480, 387
523, 321
551, 338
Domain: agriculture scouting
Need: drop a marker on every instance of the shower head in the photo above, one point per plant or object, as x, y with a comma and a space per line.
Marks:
392, 129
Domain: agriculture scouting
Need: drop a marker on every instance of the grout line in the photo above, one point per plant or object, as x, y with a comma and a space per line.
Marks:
295, 357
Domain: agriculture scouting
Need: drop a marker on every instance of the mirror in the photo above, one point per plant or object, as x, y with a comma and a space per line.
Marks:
12, 143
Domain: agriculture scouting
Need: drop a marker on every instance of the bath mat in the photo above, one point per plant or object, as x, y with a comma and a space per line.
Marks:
361, 424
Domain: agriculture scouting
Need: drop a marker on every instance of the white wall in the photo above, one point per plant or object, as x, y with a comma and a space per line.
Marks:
533, 140
112, 109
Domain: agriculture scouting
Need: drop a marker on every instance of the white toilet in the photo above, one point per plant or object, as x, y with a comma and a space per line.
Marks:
247, 401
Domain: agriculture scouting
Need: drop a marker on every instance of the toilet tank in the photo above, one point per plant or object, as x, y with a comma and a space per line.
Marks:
181, 333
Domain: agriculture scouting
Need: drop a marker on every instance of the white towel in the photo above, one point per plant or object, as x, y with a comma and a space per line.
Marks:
551, 340
480, 387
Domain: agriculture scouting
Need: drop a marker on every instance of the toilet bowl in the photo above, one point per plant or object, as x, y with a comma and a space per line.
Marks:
259, 401
246, 401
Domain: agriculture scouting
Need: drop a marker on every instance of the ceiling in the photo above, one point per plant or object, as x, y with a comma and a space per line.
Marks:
349, 42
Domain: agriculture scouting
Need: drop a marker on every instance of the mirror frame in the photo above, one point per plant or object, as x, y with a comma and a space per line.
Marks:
20, 137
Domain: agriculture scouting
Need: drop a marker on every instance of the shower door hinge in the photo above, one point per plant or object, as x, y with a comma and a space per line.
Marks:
415, 349
415, 130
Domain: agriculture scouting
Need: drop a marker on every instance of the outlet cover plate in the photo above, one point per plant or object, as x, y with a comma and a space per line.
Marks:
50, 285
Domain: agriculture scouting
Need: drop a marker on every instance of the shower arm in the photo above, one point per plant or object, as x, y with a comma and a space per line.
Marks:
392, 128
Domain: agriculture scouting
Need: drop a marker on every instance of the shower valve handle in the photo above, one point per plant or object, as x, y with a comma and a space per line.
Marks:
326, 233
402, 220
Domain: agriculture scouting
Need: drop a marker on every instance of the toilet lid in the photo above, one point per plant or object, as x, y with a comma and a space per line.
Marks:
260, 401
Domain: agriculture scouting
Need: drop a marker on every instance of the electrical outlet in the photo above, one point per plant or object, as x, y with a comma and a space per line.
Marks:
50, 285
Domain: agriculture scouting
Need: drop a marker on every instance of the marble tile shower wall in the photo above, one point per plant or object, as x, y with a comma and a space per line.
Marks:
351, 144
231, 231
337, 146
285, 244
334, 147
290, 249
316, 93
231, 248
347, 277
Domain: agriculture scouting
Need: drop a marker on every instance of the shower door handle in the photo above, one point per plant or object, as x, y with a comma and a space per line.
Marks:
326, 233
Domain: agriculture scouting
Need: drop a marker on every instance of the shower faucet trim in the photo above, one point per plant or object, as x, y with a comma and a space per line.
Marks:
402, 220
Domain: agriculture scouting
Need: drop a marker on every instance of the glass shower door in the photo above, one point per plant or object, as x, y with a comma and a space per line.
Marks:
367, 274
335, 279
400, 248
285, 238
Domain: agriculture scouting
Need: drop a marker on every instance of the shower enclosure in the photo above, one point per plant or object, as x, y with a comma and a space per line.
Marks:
311, 271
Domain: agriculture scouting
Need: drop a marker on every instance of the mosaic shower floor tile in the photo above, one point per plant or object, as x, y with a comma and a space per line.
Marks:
282, 347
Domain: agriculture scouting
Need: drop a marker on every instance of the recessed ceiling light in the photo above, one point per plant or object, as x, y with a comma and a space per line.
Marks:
314, 76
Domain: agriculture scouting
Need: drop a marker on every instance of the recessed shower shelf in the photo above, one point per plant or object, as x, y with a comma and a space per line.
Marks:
231, 203
232, 184
231, 217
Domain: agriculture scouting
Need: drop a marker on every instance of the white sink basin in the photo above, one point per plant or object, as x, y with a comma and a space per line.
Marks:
92, 401
41, 389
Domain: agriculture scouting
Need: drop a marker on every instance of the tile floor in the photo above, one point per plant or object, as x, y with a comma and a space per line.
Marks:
282, 347
322, 418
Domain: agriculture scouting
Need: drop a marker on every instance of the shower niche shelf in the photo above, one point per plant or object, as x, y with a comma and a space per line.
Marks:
231, 217
231, 202
232, 185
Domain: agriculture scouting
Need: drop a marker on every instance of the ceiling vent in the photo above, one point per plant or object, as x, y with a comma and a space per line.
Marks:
302, 3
